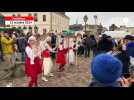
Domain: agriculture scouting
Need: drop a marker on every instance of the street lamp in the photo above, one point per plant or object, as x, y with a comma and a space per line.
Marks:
85, 20
95, 19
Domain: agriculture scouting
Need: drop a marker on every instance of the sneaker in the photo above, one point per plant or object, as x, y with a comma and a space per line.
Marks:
9, 84
51, 75
44, 79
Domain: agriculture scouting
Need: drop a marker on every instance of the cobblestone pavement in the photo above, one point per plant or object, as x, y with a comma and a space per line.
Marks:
74, 76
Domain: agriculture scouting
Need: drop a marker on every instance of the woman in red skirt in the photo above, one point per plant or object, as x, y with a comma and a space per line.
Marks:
33, 62
60, 57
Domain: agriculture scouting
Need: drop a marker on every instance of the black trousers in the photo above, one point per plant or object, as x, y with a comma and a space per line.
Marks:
1, 56
80, 50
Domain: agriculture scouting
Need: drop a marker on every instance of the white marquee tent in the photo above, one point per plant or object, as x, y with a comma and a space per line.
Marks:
117, 34
79, 32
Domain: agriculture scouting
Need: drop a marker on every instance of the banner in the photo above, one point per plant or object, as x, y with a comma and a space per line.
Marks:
25, 20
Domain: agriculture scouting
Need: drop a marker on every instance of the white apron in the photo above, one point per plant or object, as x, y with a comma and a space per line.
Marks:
47, 66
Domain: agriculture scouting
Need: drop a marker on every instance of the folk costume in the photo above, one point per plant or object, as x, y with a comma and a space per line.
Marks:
71, 53
47, 61
32, 64
60, 57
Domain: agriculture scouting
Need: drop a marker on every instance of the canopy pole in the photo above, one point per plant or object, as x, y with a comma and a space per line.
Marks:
68, 51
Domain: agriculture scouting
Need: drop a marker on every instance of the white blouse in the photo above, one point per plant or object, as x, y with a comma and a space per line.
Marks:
30, 54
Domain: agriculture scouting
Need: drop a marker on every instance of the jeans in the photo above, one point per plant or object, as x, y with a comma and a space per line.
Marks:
23, 55
1, 56
94, 51
85, 51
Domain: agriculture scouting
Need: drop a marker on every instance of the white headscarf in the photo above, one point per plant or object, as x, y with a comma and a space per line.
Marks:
32, 38
44, 45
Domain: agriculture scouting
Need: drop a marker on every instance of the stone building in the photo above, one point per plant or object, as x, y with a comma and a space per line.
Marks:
43, 21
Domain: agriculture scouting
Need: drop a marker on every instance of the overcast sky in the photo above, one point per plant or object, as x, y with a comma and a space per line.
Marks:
106, 18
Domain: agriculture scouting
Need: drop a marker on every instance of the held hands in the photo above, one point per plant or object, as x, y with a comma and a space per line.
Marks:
126, 82
54, 48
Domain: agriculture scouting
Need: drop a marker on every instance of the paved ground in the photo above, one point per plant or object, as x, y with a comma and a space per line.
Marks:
74, 76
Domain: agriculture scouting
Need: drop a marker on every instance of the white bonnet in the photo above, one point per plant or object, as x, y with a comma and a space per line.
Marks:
32, 38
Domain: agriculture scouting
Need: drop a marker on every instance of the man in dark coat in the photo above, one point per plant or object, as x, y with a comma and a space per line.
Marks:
88, 45
105, 44
85, 46
93, 44
22, 43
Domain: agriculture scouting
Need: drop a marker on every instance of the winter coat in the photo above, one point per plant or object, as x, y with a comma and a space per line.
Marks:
105, 45
22, 43
95, 83
124, 58
88, 42
93, 43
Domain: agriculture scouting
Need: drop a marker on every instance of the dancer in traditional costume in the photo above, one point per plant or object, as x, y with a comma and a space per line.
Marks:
33, 62
71, 53
61, 57
47, 61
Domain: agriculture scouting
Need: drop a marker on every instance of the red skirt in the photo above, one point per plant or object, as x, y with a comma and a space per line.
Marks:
38, 64
60, 58
36, 68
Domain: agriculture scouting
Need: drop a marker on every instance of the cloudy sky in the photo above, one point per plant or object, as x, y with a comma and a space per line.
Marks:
106, 18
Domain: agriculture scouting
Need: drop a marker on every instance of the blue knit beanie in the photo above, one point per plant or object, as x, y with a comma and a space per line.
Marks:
106, 68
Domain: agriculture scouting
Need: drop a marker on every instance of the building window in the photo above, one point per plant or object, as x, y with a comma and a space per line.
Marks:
36, 29
13, 15
14, 27
19, 28
2, 20
7, 25
44, 18
44, 31
29, 14
35, 17
30, 28
24, 27
19, 15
